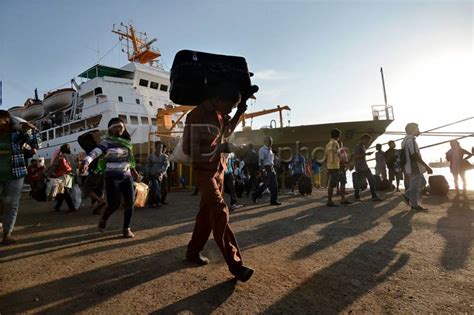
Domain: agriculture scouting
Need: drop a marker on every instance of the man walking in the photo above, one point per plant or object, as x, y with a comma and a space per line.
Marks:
206, 127
156, 169
362, 170
266, 160
414, 167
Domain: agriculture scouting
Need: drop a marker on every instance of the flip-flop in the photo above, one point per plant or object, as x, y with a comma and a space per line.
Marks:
331, 205
346, 203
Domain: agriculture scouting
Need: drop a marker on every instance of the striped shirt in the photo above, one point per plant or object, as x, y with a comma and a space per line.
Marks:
117, 158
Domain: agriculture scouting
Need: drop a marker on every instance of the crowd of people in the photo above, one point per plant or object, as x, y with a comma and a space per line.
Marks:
108, 171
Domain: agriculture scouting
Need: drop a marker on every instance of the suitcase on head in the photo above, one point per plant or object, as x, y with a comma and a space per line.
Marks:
305, 186
193, 73
438, 185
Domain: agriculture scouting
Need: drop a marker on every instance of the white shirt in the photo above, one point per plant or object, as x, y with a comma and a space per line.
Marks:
265, 156
411, 147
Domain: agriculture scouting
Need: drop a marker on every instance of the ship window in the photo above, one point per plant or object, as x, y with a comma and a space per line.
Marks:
153, 121
98, 91
51, 134
154, 85
145, 121
124, 118
151, 103
143, 82
134, 120
163, 87
97, 100
120, 99
137, 101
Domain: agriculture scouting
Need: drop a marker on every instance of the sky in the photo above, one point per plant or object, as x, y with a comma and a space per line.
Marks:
322, 58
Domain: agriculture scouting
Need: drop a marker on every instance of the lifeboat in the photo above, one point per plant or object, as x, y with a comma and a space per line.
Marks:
33, 111
16, 111
58, 100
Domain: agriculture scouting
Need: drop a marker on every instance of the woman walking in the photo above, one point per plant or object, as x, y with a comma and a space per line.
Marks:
116, 151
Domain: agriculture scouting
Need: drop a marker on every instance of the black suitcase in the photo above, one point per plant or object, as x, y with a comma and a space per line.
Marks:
305, 186
88, 140
438, 185
194, 72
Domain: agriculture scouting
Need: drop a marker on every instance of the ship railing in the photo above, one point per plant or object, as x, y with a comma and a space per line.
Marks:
382, 112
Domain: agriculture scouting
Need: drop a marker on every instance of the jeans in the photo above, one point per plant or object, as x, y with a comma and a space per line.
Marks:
10, 192
65, 196
357, 178
229, 188
115, 190
417, 183
155, 191
270, 181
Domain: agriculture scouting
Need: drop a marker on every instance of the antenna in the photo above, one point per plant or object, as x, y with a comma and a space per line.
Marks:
383, 85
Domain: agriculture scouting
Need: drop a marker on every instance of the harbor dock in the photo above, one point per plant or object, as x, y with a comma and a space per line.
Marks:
366, 257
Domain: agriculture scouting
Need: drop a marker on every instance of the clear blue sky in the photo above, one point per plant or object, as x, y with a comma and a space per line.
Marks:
320, 57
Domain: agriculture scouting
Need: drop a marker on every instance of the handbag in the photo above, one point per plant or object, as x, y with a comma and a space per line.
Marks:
63, 167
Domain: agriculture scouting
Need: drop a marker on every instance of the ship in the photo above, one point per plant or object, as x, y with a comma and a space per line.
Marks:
133, 93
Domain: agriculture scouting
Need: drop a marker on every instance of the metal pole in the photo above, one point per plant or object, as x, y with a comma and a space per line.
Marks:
383, 85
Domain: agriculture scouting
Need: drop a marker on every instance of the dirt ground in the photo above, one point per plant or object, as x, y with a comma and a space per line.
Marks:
363, 258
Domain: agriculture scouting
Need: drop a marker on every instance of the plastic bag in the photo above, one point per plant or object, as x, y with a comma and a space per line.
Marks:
76, 196
178, 155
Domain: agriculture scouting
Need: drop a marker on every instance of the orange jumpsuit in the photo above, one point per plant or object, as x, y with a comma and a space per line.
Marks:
203, 134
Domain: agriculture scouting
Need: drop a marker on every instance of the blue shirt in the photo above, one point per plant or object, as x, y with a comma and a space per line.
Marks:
265, 156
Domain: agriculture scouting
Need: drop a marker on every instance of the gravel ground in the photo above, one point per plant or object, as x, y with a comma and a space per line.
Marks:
363, 258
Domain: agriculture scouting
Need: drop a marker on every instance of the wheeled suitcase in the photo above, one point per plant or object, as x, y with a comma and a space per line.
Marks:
305, 186
194, 72
438, 185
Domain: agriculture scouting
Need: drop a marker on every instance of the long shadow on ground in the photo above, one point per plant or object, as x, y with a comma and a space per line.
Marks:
337, 286
203, 302
354, 221
458, 230
84, 290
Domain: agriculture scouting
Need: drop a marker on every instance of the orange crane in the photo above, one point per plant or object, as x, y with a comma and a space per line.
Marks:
165, 124
279, 109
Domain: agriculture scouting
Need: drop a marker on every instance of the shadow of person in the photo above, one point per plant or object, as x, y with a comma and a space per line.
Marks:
457, 229
356, 222
203, 302
337, 286
82, 291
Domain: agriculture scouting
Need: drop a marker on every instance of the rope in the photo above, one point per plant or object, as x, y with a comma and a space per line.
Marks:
443, 126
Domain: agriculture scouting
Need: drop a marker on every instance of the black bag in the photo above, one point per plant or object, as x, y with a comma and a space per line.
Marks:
382, 184
193, 73
305, 186
39, 194
87, 140
438, 185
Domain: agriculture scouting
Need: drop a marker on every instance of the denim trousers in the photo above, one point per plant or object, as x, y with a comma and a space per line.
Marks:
10, 192
417, 183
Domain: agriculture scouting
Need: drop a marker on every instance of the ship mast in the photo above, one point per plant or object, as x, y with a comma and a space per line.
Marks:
141, 50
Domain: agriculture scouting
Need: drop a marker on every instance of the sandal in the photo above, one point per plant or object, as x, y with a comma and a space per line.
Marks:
331, 205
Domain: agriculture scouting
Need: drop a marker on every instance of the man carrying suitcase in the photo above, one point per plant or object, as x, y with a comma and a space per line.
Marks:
205, 128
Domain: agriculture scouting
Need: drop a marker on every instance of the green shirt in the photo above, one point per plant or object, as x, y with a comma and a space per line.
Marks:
5, 158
